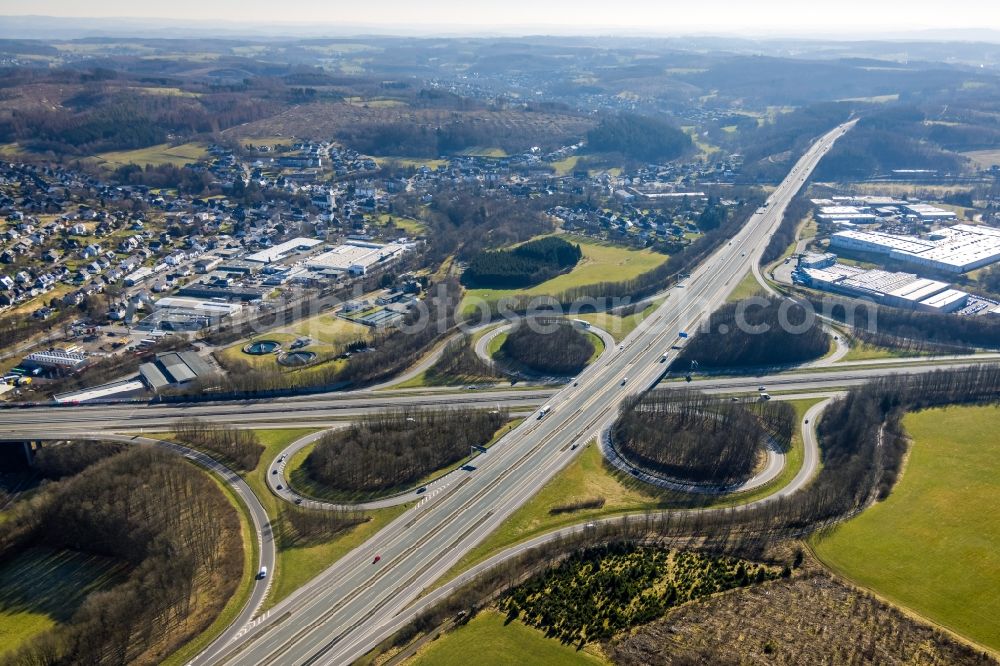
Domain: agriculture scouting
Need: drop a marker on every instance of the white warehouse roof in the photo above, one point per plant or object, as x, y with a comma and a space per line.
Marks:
278, 251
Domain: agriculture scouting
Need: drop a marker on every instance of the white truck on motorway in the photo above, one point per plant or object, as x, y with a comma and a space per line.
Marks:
544, 411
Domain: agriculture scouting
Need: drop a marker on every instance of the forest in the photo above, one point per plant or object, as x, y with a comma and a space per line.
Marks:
101, 119
556, 348
895, 138
55, 461
526, 265
638, 137
756, 333
395, 448
694, 437
177, 533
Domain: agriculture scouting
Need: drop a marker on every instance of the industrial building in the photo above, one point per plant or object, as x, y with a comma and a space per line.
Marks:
845, 214
173, 369
180, 314
282, 250
902, 290
357, 257
957, 249
54, 358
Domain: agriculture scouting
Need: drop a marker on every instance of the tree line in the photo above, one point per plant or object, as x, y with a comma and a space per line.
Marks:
774, 331
61, 459
784, 235
394, 448
529, 264
695, 437
239, 447
176, 531
897, 328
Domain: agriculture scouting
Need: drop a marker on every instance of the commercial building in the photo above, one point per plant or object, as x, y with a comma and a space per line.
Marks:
204, 290
180, 314
357, 257
282, 250
950, 300
957, 249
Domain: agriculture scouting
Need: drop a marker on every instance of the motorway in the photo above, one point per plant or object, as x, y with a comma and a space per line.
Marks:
334, 409
340, 614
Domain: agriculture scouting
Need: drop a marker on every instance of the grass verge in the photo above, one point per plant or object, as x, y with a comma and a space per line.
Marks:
488, 640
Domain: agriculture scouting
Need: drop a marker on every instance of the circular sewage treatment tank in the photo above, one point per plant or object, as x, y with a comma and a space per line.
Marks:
297, 359
262, 347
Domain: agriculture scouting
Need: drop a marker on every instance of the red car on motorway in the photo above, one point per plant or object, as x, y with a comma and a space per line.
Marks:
376, 560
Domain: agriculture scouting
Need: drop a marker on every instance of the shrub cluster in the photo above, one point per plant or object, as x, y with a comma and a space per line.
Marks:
601, 591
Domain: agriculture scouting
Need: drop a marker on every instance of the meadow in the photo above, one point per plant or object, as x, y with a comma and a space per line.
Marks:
931, 546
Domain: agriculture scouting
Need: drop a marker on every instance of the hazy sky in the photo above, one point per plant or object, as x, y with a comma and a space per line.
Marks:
670, 16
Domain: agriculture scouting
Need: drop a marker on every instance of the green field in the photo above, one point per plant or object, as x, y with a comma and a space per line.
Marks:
157, 155
326, 328
488, 640
483, 151
41, 587
415, 162
602, 262
566, 165
932, 545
